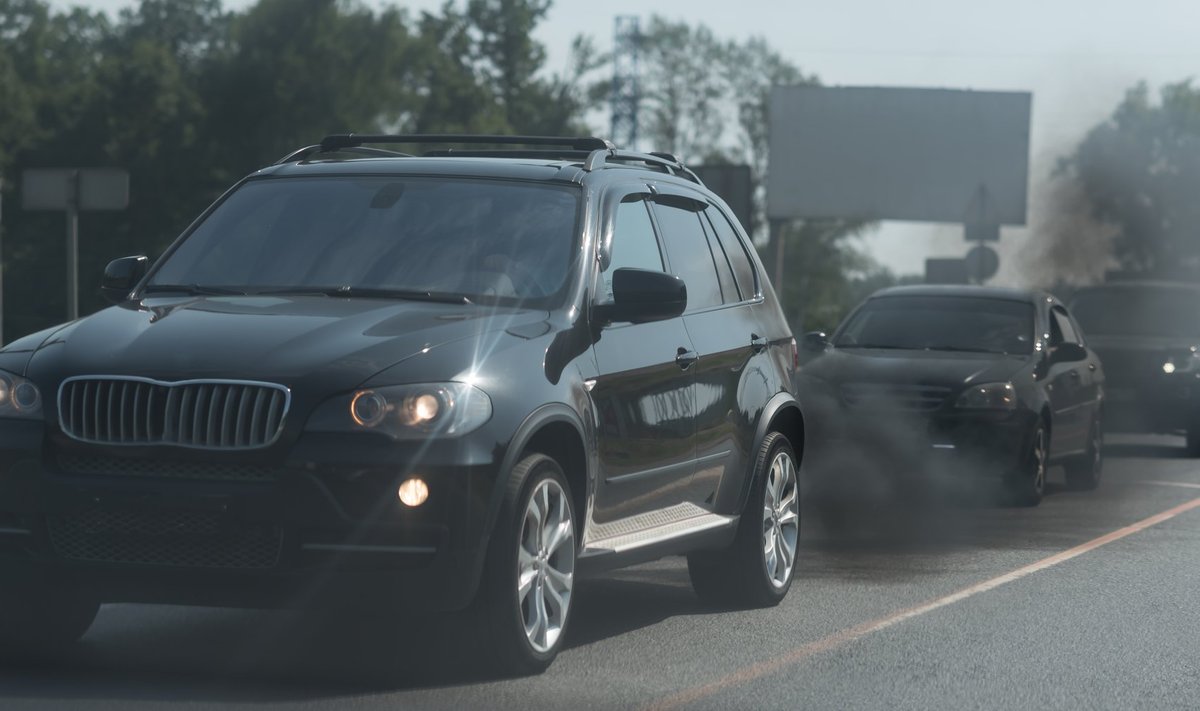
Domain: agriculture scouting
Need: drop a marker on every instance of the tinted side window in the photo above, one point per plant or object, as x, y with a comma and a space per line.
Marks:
743, 268
729, 290
634, 244
1061, 330
690, 257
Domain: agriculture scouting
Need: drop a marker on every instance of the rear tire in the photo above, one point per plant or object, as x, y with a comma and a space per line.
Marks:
37, 620
1027, 484
524, 601
1083, 472
758, 568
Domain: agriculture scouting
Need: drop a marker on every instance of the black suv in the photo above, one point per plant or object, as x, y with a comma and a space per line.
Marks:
458, 380
1148, 335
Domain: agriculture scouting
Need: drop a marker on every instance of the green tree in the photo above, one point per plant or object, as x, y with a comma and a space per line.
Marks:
1139, 173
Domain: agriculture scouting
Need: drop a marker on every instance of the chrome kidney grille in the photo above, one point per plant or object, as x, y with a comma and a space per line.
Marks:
203, 414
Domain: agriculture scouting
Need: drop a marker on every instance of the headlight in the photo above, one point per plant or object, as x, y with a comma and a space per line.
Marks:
19, 397
1183, 362
406, 411
989, 396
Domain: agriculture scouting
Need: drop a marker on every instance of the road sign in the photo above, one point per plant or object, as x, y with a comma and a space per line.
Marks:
946, 271
86, 188
72, 190
982, 263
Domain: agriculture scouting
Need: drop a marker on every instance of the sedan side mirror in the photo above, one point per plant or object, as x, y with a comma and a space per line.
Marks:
121, 275
815, 341
643, 295
1068, 353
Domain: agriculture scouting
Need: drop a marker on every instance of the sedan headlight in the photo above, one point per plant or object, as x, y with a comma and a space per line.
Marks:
406, 411
1183, 362
989, 396
19, 397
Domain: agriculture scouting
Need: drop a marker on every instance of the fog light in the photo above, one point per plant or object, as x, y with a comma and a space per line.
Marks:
414, 492
1168, 367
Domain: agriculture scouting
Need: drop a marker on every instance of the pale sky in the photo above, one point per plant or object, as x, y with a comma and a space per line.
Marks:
1077, 57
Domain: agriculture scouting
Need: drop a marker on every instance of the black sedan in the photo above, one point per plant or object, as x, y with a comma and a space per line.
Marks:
988, 381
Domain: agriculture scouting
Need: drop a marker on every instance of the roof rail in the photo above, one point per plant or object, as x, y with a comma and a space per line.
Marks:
306, 151
579, 143
600, 157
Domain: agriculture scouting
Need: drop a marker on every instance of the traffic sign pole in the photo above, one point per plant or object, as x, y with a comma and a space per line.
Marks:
73, 247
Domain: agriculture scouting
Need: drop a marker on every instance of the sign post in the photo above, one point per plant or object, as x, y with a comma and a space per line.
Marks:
71, 190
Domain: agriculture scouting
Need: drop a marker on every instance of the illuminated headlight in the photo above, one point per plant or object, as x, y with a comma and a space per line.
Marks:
1184, 362
19, 397
989, 396
406, 411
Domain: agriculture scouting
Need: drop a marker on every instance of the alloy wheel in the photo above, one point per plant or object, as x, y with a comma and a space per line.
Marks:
546, 565
781, 520
1039, 460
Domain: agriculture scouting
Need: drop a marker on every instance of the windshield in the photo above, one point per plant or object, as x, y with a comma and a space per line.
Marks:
949, 323
478, 239
1142, 311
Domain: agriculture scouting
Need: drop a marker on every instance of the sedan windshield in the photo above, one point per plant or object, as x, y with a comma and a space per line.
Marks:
1139, 311
942, 323
407, 237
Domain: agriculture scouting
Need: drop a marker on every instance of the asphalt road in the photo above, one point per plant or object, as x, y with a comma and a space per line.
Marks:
1088, 601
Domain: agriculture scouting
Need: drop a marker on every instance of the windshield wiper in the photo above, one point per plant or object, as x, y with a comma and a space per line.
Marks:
352, 292
197, 289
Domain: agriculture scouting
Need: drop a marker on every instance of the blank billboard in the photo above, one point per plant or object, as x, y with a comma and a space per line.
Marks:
932, 155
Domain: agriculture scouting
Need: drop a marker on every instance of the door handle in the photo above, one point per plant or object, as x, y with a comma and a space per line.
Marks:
1092, 367
757, 343
685, 358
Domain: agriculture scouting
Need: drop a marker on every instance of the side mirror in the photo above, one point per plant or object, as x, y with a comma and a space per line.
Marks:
121, 275
815, 341
1068, 353
642, 296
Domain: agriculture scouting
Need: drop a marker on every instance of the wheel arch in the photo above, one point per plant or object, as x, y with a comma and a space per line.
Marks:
556, 431
782, 414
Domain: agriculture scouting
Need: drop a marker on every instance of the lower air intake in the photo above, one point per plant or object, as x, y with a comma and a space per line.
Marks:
185, 539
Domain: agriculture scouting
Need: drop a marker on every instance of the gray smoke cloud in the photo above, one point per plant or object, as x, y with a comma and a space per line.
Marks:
1066, 244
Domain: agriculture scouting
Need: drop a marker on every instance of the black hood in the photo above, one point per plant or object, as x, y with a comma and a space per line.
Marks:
341, 341
904, 367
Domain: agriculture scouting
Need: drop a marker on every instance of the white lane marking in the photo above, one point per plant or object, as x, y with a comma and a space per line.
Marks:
757, 671
1181, 484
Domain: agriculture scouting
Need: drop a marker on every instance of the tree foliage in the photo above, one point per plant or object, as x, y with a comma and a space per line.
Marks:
189, 96
1139, 173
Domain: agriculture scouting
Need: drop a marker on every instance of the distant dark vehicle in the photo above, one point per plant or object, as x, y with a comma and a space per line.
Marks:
999, 381
1148, 336
369, 380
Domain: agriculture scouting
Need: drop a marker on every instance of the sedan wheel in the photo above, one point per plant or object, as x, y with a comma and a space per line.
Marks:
1027, 484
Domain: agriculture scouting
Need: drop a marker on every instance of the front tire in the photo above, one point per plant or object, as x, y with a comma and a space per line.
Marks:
757, 570
524, 601
1026, 485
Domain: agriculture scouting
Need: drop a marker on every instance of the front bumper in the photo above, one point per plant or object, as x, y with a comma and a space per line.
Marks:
1162, 403
319, 525
955, 445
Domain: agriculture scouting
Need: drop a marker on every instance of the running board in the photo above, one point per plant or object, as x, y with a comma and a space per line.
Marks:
664, 526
